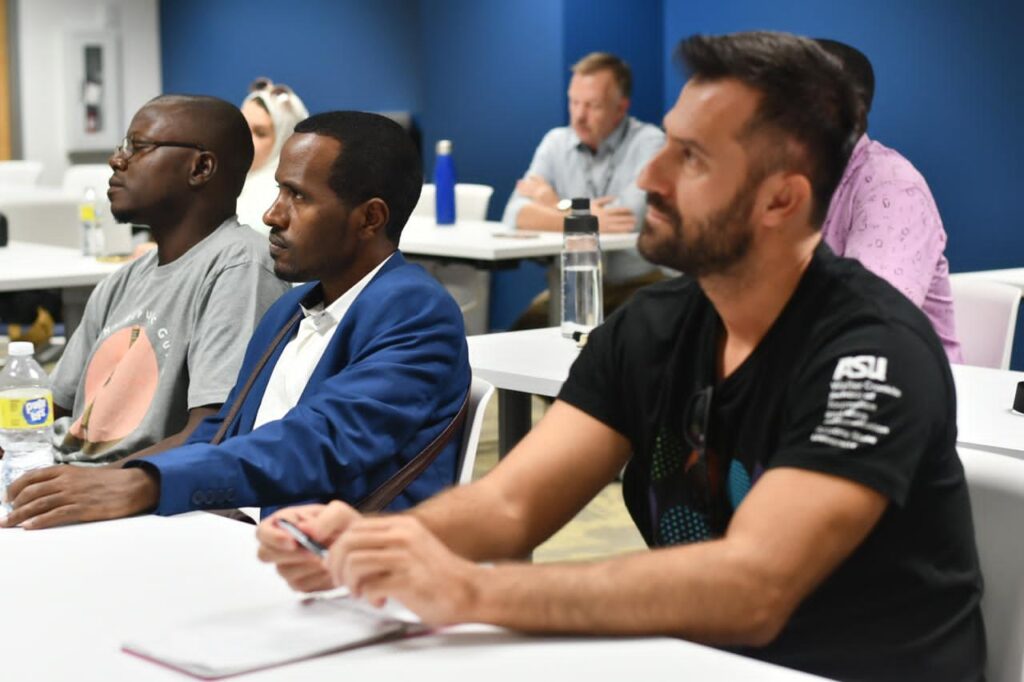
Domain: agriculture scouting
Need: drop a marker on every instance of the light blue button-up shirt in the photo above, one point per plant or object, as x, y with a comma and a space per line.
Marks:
574, 170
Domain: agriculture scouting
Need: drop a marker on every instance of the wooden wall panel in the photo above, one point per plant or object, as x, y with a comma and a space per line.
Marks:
5, 86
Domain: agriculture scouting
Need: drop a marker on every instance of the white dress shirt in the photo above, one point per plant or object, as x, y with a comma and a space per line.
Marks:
302, 354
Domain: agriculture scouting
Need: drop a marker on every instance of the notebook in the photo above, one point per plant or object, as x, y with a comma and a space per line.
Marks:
263, 637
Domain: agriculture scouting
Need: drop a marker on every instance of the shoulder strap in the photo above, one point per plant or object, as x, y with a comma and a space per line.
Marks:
391, 488
240, 398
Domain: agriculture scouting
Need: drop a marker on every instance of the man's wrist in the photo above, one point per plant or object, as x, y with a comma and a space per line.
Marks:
144, 489
478, 608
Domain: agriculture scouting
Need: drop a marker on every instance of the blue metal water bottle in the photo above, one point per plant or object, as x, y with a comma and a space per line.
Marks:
444, 183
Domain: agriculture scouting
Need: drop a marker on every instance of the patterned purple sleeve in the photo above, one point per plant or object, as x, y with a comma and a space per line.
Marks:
883, 215
896, 232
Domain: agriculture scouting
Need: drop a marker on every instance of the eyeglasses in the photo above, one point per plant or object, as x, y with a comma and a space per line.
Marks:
696, 421
130, 146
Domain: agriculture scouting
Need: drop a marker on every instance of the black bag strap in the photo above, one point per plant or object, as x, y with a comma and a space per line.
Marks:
240, 398
391, 488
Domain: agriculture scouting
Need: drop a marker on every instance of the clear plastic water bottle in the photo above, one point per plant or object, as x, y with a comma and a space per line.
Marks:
444, 184
582, 296
90, 225
26, 416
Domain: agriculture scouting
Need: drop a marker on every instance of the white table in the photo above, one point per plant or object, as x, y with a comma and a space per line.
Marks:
25, 266
520, 364
488, 243
538, 361
73, 595
984, 418
1011, 276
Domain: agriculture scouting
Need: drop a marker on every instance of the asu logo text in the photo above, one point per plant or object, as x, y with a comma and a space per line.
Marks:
861, 367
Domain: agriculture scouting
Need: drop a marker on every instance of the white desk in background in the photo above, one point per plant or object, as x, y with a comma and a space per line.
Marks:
1011, 276
521, 364
72, 596
984, 418
537, 362
487, 243
25, 266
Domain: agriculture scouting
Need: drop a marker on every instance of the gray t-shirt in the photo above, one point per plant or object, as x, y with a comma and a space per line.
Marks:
156, 341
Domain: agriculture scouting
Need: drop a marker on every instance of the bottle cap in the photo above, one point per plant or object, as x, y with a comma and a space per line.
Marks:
444, 147
580, 220
20, 348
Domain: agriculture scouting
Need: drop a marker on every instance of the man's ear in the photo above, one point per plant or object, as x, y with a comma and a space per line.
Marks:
785, 196
203, 169
374, 215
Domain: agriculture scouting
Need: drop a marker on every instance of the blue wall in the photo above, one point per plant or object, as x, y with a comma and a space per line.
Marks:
633, 31
492, 79
948, 96
337, 54
491, 75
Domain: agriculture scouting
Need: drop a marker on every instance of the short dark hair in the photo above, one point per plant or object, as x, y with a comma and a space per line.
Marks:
219, 126
377, 159
804, 96
858, 69
606, 61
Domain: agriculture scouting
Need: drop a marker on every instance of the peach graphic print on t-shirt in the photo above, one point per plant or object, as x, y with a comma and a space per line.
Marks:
120, 383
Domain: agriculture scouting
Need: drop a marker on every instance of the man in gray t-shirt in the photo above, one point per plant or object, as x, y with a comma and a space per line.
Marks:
162, 338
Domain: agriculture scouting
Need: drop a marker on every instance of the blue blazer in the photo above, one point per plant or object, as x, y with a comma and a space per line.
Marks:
392, 378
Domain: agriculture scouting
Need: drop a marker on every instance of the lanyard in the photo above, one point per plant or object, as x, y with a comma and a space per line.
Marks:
600, 190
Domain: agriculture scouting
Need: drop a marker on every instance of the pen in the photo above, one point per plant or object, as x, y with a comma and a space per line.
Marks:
301, 538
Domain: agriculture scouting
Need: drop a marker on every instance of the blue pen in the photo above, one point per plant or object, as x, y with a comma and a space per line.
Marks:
301, 538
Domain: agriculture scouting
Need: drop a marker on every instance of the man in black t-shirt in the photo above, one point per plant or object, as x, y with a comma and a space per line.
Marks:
788, 419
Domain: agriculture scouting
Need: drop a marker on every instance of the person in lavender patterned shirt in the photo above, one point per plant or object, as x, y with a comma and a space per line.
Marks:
883, 214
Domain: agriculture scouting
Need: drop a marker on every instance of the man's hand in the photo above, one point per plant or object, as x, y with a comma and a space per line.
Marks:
612, 218
303, 571
59, 495
537, 189
398, 557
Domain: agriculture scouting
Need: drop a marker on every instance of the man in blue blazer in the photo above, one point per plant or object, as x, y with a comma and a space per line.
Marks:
350, 376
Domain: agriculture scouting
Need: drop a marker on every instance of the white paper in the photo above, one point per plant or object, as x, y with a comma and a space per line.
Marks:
241, 641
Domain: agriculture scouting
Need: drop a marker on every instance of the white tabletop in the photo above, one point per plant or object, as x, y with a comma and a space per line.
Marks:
984, 415
534, 361
37, 266
538, 361
71, 596
490, 241
1011, 276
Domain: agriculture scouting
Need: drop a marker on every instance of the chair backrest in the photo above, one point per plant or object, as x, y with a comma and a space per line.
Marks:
996, 484
471, 201
479, 396
20, 173
78, 177
986, 318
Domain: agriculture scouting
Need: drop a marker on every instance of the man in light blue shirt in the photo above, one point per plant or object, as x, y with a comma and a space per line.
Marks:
598, 155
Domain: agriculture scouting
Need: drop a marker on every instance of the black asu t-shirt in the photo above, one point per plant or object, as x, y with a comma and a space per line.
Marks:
850, 380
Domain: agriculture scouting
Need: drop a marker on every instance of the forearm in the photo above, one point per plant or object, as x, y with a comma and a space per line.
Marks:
457, 515
708, 593
196, 417
534, 216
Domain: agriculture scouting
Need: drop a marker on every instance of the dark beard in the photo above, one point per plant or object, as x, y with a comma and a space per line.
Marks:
721, 240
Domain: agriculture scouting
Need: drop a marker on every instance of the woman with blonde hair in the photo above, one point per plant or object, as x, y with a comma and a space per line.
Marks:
272, 110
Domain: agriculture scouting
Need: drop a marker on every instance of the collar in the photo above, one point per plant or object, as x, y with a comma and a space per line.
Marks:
609, 144
324, 318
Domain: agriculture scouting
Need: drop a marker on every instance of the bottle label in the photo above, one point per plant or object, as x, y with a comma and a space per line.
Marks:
26, 413
87, 213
